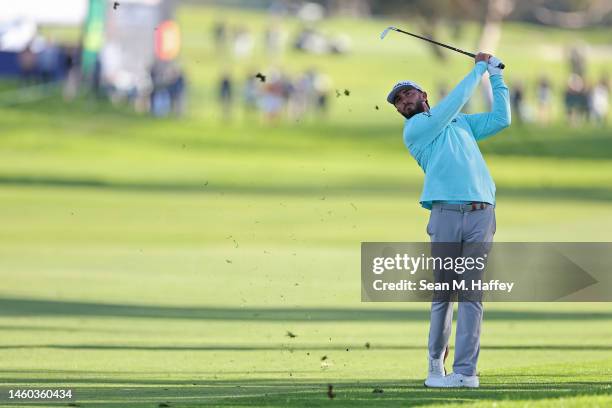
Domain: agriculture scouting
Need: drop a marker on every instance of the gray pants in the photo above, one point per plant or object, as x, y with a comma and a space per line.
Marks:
454, 223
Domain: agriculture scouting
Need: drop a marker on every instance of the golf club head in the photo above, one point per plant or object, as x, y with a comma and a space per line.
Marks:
385, 32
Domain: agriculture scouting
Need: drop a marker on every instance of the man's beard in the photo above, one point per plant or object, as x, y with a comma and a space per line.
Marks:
418, 109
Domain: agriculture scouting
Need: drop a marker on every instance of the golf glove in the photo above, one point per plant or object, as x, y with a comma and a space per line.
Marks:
492, 67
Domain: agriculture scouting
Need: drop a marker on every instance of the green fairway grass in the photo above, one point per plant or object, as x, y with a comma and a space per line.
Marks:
164, 261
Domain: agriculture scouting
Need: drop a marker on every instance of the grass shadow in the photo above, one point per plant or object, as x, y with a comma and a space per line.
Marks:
375, 186
309, 393
290, 347
42, 307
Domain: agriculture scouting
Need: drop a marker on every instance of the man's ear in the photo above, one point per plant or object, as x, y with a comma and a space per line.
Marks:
425, 102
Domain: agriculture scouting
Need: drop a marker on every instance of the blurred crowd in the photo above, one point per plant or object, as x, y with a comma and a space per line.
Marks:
584, 101
276, 95
159, 90
122, 70
44, 61
240, 42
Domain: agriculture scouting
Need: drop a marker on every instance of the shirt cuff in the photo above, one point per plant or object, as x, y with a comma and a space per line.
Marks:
497, 79
481, 67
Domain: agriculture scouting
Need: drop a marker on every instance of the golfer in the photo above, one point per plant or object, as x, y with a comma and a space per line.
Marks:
460, 193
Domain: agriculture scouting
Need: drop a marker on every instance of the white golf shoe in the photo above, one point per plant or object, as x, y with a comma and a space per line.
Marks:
436, 372
454, 380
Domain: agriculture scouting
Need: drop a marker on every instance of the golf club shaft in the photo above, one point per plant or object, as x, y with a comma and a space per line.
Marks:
469, 54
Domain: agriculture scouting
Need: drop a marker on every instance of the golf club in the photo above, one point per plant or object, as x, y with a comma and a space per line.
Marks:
386, 31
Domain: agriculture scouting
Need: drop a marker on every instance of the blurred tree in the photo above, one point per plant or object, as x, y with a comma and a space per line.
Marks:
496, 11
431, 14
575, 14
563, 13
353, 8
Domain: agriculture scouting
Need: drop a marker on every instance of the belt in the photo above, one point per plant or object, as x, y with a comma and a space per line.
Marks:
467, 207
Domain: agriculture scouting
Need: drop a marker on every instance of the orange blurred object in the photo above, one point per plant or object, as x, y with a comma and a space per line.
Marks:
167, 40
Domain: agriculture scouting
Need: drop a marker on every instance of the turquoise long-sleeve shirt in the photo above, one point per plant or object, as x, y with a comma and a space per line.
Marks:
444, 142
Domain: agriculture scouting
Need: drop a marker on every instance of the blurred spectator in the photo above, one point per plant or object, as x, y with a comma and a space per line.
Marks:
250, 94
340, 44
276, 95
220, 37
27, 64
312, 41
226, 95
301, 98
167, 91
577, 60
599, 101
322, 86
243, 43
576, 100
544, 96
160, 101
311, 12
273, 40
288, 89
43, 61
96, 79
176, 88
49, 62
273, 97
73, 70
517, 97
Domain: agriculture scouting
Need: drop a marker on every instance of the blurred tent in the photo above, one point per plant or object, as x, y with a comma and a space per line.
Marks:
15, 35
131, 36
139, 34
64, 12
127, 50
138, 58
19, 31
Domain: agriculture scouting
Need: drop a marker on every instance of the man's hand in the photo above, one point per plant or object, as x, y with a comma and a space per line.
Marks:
482, 57
493, 66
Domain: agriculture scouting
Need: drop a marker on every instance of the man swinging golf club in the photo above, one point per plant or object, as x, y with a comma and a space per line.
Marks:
460, 193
